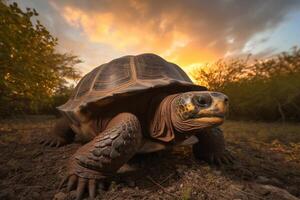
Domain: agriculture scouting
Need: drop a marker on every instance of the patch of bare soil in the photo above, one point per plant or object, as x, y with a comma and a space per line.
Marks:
263, 170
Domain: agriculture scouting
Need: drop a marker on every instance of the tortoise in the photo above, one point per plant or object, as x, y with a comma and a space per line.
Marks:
136, 104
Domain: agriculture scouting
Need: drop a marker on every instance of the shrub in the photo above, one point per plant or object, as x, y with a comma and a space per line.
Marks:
263, 90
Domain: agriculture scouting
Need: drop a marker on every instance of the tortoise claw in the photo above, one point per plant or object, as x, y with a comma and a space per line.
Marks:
80, 184
51, 141
92, 188
227, 158
58, 144
51, 144
219, 159
80, 188
63, 182
71, 183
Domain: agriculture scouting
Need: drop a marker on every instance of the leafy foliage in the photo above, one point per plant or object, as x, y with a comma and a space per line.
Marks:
31, 71
263, 90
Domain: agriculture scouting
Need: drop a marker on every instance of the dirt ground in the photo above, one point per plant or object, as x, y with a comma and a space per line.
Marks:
267, 166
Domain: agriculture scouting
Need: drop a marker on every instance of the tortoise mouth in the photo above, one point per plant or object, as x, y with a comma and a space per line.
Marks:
212, 119
211, 115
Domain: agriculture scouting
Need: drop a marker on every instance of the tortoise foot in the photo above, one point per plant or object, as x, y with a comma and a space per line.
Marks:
211, 148
60, 135
52, 141
82, 179
225, 158
80, 184
217, 159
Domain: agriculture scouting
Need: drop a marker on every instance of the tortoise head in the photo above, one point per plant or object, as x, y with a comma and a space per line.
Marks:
199, 109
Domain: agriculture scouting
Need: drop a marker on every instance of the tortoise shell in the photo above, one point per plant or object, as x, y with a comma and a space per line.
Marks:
125, 76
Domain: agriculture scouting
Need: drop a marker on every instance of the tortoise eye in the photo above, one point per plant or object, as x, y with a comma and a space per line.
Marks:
203, 100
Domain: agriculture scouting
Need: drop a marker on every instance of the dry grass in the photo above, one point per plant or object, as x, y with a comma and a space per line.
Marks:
270, 150
287, 133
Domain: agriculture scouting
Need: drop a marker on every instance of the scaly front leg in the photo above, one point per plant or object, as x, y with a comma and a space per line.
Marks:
105, 154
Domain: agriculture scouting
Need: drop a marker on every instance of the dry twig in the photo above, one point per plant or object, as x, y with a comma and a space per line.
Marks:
161, 187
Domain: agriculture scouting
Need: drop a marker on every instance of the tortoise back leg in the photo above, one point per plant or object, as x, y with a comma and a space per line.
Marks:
59, 135
105, 154
211, 147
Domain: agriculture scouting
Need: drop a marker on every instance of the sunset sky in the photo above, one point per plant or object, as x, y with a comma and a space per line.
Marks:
187, 32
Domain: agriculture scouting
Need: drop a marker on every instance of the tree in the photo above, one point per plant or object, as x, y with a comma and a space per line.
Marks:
31, 70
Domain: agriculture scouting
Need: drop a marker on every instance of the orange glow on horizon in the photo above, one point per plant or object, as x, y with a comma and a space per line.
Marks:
176, 45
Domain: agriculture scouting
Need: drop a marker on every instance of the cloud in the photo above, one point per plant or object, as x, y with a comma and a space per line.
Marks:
71, 40
183, 31
186, 32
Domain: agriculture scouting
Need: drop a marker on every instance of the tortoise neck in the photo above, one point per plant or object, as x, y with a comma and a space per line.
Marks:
160, 119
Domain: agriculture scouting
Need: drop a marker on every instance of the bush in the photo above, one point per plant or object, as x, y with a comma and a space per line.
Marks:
263, 90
